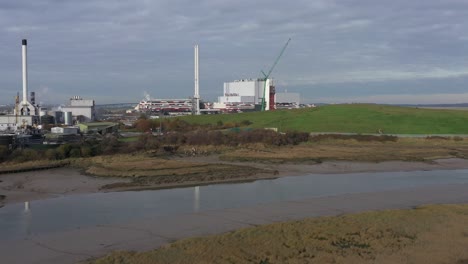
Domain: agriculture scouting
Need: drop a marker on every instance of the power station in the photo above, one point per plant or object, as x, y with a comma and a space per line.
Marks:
258, 94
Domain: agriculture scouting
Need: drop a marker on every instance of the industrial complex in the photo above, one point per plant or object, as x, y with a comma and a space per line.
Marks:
78, 115
258, 94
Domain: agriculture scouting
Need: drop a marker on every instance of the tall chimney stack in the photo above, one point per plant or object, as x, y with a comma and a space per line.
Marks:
25, 72
32, 97
197, 88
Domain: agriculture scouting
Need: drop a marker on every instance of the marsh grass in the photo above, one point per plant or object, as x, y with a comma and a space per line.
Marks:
428, 234
31, 165
404, 149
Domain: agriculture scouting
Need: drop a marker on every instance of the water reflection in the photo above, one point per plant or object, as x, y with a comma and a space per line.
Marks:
196, 199
26, 219
26, 207
78, 211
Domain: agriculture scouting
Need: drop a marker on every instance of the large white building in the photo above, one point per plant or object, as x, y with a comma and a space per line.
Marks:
246, 92
81, 109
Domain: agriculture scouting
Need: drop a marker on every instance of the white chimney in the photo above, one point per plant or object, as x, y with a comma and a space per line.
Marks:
197, 88
25, 71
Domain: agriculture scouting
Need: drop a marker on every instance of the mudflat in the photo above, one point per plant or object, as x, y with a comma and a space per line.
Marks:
187, 171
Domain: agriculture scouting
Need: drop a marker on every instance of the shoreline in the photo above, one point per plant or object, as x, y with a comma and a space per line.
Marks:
90, 243
64, 181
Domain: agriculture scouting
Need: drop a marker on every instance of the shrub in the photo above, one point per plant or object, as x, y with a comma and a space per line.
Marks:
109, 144
4, 153
246, 123
63, 151
295, 137
86, 151
75, 153
51, 154
22, 155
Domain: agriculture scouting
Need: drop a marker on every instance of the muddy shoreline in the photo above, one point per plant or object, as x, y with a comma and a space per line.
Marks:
43, 184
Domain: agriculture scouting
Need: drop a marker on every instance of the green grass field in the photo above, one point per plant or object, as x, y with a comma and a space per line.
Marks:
352, 118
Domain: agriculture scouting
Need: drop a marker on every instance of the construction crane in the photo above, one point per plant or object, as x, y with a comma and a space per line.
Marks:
267, 75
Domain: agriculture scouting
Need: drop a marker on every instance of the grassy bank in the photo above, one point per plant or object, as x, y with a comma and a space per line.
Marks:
429, 234
352, 118
163, 168
12, 167
405, 149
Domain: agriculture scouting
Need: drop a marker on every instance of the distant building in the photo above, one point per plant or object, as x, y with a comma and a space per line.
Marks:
82, 110
246, 93
99, 127
171, 107
11, 122
64, 130
287, 100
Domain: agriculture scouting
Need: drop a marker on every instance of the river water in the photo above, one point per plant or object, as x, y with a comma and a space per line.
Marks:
18, 221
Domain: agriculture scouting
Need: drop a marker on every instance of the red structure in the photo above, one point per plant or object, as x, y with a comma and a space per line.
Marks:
271, 102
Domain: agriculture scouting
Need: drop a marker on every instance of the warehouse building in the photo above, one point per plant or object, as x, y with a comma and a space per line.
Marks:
99, 127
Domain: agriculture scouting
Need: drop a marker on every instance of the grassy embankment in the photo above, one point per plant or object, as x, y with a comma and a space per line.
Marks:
351, 118
333, 149
429, 234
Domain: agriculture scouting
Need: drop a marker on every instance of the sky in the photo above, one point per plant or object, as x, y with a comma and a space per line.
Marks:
113, 51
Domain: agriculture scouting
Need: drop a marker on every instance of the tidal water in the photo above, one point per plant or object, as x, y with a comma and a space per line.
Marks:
18, 221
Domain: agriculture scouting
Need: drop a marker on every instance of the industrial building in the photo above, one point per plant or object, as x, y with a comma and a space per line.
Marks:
258, 94
245, 94
26, 112
81, 110
99, 127
64, 130
172, 107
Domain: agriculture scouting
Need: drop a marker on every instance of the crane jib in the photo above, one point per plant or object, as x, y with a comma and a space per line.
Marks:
266, 76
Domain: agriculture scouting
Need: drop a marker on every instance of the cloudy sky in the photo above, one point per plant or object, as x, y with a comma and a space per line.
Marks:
397, 51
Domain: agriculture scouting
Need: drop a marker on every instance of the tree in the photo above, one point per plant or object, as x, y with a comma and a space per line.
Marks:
143, 125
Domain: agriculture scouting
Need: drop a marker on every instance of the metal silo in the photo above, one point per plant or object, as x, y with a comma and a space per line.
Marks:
68, 118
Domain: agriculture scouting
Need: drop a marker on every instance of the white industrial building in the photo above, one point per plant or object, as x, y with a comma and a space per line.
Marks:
9, 123
245, 92
64, 130
81, 109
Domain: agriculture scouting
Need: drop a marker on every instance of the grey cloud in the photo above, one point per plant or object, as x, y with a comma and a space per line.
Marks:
92, 46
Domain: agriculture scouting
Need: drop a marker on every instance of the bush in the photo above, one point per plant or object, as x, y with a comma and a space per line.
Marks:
51, 154
86, 151
4, 153
246, 123
75, 153
109, 144
23, 155
295, 137
63, 151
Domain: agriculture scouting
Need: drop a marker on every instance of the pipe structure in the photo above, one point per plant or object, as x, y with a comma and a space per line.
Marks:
197, 87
